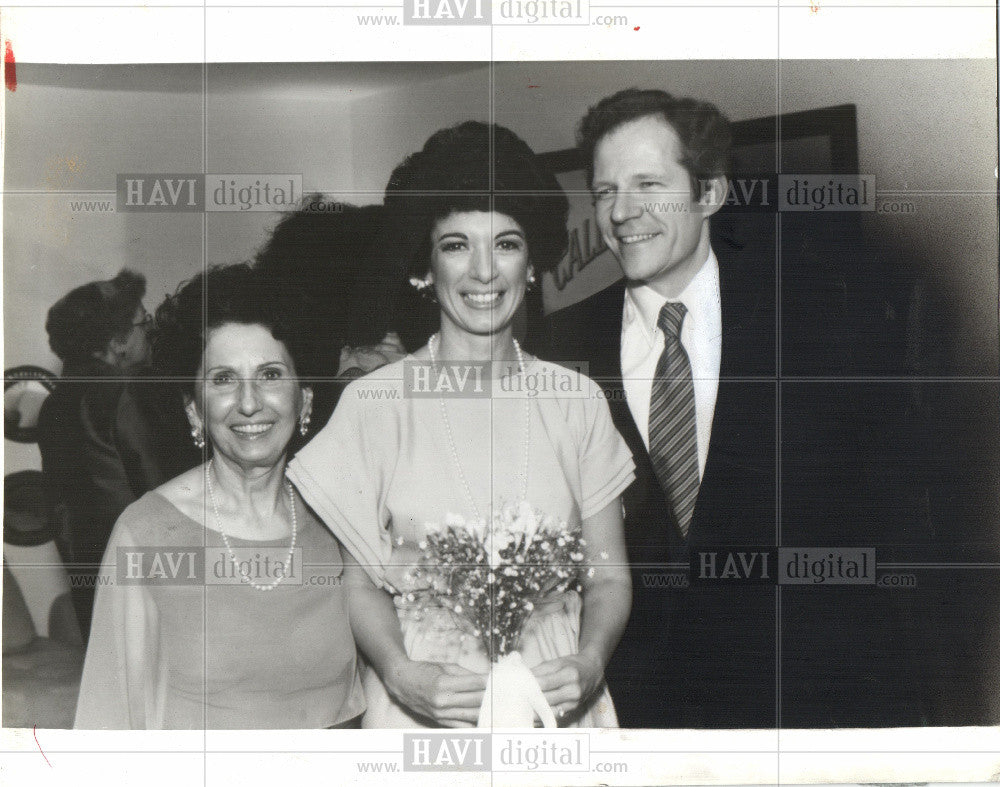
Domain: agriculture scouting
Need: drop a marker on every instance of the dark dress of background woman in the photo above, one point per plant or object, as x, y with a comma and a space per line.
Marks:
97, 447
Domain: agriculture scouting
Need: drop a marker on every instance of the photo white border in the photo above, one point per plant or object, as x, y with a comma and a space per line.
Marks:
183, 32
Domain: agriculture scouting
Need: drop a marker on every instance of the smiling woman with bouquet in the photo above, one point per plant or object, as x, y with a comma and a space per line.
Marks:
481, 528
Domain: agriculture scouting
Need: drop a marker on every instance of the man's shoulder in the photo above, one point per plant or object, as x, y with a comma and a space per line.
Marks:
608, 300
588, 324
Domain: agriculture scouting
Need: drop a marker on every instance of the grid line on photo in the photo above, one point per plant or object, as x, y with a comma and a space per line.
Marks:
778, 662
778, 366
205, 439
813, 378
670, 6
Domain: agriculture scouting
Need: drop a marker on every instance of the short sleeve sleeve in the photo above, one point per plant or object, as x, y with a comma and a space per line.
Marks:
341, 473
606, 465
121, 682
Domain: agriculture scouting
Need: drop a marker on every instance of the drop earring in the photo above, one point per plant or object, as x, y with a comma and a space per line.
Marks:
198, 436
304, 424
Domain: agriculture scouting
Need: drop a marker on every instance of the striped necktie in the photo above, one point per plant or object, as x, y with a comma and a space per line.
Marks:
673, 432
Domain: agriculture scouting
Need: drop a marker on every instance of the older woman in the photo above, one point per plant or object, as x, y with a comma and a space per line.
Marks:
226, 609
386, 465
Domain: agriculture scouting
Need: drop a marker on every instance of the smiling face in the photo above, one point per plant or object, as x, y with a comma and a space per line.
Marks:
479, 265
247, 397
646, 210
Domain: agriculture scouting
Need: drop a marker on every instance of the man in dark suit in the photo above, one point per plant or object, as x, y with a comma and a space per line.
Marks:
686, 349
692, 656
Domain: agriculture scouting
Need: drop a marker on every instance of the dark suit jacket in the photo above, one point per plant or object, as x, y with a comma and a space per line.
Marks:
681, 641
706, 655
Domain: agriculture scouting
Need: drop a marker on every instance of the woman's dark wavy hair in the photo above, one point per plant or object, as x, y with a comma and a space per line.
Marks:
480, 167
703, 130
223, 294
318, 256
84, 320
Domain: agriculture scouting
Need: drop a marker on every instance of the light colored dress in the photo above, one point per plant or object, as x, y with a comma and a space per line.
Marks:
383, 468
194, 655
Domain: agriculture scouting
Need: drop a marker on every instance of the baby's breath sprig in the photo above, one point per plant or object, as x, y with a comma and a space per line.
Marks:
493, 577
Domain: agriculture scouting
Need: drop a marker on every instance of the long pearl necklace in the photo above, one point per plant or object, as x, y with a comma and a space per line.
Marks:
229, 547
431, 344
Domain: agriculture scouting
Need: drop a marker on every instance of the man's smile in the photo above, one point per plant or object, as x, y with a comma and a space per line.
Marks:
627, 240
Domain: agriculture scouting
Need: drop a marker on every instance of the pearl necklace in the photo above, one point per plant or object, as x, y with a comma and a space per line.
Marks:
229, 547
432, 342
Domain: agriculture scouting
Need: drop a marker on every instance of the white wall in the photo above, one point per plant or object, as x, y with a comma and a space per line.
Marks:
74, 141
74, 128
546, 115
257, 130
78, 138
396, 122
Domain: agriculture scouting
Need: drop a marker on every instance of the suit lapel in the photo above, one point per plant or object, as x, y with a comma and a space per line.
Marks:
722, 418
743, 407
608, 371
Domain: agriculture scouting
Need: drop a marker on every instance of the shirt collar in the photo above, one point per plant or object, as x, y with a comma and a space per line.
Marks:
643, 303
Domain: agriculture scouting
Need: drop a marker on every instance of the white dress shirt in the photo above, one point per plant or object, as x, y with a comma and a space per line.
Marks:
701, 335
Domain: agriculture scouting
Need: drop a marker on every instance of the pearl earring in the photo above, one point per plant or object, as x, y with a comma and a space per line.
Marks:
198, 436
304, 424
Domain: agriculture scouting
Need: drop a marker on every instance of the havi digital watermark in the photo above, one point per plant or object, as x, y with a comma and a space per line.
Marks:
496, 12
197, 192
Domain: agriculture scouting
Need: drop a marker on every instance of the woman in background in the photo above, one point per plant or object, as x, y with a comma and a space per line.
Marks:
489, 220
98, 449
241, 637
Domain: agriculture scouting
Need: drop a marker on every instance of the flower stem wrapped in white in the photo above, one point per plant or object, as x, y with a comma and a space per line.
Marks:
513, 696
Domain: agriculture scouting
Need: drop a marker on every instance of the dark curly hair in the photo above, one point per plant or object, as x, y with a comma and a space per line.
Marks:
83, 321
223, 294
703, 130
321, 259
320, 256
479, 167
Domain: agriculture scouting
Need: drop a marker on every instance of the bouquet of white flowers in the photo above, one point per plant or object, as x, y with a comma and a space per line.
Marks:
492, 575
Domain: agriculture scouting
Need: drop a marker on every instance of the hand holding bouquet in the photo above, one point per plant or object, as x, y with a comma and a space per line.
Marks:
492, 575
